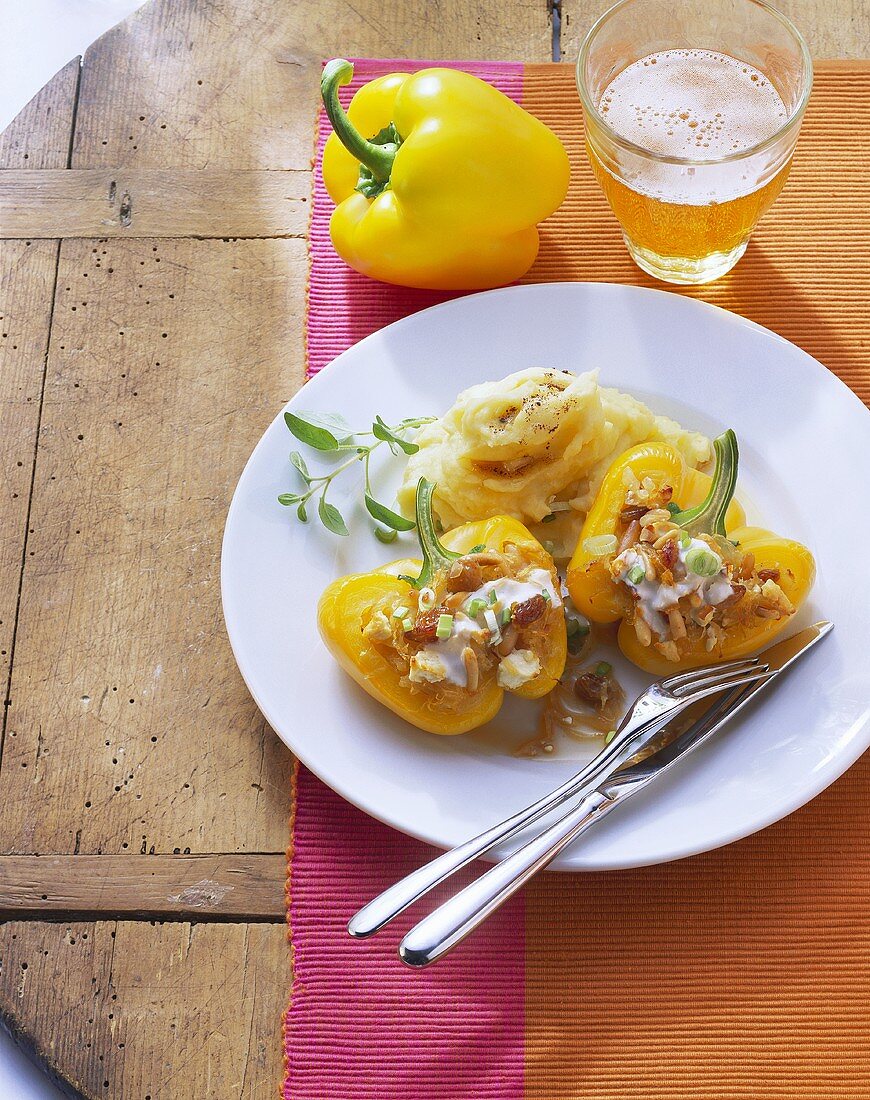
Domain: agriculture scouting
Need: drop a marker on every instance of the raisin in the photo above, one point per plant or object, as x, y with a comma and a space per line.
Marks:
529, 611
768, 575
464, 576
738, 591
426, 624
591, 689
669, 553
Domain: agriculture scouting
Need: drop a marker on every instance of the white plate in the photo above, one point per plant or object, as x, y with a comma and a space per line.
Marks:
805, 454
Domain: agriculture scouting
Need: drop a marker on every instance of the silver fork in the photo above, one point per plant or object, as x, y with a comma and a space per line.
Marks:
652, 709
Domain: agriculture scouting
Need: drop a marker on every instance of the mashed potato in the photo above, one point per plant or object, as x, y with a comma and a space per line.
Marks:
533, 445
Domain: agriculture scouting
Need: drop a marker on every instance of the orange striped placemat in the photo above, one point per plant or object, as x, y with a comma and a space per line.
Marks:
744, 973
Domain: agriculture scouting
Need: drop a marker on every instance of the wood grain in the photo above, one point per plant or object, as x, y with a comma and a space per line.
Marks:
38, 138
27, 271
129, 724
153, 203
235, 84
132, 1010
836, 29
204, 887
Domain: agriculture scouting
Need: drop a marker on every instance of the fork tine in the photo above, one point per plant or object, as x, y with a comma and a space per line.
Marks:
683, 679
721, 681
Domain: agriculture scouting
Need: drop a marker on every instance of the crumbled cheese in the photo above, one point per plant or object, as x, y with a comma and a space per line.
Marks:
379, 628
517, 669
772, 592
426, 667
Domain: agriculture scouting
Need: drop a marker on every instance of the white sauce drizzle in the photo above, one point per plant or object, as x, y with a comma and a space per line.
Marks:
509, 591
446, 653
653, 597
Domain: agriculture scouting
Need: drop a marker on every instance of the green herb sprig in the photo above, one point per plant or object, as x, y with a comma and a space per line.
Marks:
330, 434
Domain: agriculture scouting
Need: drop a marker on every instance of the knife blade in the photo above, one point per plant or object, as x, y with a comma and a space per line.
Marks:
779, 657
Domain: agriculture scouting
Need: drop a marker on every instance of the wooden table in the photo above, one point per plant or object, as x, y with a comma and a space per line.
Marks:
153, 215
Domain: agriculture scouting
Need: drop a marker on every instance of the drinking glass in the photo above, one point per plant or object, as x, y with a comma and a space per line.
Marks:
688, 218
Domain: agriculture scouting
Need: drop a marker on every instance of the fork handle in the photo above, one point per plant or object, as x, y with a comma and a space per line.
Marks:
643, 720
451, 922
396, 898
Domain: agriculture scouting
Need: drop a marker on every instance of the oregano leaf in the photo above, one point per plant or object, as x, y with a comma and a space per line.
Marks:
322, 439
387, 516
331, 518
299, 462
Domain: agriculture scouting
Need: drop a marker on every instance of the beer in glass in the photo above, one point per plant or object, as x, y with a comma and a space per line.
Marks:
692, 111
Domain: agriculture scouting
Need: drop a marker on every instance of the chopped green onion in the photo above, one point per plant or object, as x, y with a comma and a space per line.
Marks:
673, 508
492, 623
426, 599
475, 606
547, 596
493, 596
609, 737
445, 627
408, 624
703, 563
506, 616
599, 546
576, 626
636, 574
400, 612
684, 539
603, 668
481, 546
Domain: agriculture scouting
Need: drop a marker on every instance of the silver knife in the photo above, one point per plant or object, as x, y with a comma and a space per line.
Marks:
448, 925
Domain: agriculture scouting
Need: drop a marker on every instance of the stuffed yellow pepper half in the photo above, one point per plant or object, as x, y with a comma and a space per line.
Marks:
440, 641
690, 583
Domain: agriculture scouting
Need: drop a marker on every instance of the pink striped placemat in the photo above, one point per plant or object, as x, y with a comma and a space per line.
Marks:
360, 1026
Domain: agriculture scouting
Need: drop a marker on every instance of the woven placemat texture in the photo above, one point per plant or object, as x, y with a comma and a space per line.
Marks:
743, 974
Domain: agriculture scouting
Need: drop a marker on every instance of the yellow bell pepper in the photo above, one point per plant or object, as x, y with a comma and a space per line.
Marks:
439, 179
349, 604
701, 507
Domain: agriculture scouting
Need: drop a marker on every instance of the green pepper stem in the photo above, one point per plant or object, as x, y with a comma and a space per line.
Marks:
377, 158
708, 518
435, 556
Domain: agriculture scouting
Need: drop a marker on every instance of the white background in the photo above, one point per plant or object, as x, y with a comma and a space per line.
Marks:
38, 37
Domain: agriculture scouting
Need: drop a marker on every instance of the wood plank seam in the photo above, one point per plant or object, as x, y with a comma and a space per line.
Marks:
7, 694
554, 13
214, 887
75, 107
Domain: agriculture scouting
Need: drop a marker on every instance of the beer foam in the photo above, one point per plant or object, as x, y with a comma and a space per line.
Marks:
692, 103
